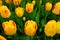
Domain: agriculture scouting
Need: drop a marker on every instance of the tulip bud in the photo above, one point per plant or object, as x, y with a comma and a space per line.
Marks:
48, 6
33, 2
24, 18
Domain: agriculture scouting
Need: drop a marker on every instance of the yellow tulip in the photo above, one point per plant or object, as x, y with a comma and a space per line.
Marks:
50, 28
8, 1
29, 7
5, 12
2, 38
30, 28
33, 2
48, 6
16, 2
19, 11
56, 8
40, 1
1, 3
58, 27
9, 27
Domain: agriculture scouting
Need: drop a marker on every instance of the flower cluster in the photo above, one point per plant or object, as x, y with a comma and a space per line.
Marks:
52, 28
55, 8
9, 27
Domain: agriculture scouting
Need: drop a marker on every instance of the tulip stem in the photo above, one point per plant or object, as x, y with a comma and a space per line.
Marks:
46, 14
10, 7
31, 37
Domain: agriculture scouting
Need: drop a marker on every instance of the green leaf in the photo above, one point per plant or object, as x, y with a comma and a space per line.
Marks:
43, 22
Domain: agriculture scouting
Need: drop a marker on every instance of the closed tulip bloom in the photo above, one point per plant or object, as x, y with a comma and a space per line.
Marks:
30, 28
19, 11
48, 6
9, 27
29, 7
2, 38
33, 2
5, 12
56, 8
8, 1
50, 28
40, 1
1, 3
16, 2
58, 27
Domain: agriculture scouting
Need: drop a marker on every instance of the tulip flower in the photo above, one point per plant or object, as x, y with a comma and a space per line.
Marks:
48, 6
2, 38
56, 8
19, 11
5, 12
16, 2
8, 1
58, 27
30, 28
1, 3
33, 2
29, 7
9, 27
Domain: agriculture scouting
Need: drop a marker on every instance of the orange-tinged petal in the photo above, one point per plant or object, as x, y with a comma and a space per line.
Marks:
48, 6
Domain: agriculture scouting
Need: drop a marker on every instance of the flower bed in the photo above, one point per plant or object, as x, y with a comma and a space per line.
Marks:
29, 20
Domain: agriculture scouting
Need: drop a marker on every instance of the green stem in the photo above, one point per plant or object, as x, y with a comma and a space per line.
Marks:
31, 37
46, 14
10, 7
